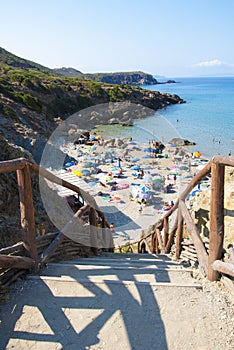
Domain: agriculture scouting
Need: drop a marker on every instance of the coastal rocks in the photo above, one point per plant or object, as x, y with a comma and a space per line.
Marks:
181, 142
117, 143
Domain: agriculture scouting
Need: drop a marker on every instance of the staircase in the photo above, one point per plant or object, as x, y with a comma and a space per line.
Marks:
121, 269
111, 301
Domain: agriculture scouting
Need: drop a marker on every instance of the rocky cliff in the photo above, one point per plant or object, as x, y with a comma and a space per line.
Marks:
128, 78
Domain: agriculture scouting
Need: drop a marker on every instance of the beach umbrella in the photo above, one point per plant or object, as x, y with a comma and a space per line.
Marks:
77, 173
92, 183
68, 164
86, 172
134, 160
183, 167
144, 195
148, 149
87, 164
145, 189
147, 178
146, 166
109, 178
114, 169
197, 154
135, 167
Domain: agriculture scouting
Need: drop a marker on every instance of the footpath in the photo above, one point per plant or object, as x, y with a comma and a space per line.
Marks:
117, 301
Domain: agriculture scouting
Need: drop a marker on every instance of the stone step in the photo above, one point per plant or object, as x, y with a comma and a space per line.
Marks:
150, 267
134, 256
137, 262
133, 273
85, 281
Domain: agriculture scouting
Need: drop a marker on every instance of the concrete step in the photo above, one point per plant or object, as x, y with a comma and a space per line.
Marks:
125, 262
135, 256
52, 282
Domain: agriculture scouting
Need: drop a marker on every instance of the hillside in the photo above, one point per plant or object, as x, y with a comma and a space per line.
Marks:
121, 78
124, 78
33, 100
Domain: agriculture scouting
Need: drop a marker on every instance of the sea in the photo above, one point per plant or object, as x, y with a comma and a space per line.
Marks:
207, 117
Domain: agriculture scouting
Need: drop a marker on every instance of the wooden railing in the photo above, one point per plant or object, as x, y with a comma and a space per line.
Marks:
35, 251
160, 239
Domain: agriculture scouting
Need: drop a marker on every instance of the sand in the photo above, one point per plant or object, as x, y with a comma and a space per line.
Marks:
116, 196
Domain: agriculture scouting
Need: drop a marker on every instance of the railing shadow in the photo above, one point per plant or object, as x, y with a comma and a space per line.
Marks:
76, 322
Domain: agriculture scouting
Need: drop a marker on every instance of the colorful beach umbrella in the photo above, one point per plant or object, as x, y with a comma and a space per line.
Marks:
145, 189
77, 173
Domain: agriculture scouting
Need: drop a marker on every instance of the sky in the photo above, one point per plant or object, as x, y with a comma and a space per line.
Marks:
170, 38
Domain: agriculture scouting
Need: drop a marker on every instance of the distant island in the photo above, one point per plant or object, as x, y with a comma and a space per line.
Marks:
120, 78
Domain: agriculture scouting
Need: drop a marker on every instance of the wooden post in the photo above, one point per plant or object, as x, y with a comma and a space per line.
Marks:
93, 230
216, 219
165, 231
179, 233
152, 243
196, 238
160, 241
156, 243
19, 262
27, 213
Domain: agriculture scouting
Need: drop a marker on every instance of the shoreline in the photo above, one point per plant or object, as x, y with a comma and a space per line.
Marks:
120, 193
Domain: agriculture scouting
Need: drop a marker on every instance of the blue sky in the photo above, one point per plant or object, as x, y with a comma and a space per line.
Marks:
173, 38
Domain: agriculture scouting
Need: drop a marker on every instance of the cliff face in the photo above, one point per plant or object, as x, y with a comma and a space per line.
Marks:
127, 78
130, 78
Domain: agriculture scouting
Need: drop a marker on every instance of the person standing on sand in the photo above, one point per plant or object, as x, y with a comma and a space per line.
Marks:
140, 208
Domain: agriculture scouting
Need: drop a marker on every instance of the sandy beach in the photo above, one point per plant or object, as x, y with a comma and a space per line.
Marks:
133, 185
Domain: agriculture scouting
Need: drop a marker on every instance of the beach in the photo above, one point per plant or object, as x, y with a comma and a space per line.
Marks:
132, 183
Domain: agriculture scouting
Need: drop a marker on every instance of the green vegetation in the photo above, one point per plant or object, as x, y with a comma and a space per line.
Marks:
27, 87
7, 110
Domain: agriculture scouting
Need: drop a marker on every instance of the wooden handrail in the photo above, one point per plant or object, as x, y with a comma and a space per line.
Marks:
215, 166
28, 245
12, 165
216, 220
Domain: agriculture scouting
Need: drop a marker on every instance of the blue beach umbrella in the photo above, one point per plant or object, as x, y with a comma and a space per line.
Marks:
92, 183
68, 164
86, 172
148, 149
144, 195
134, 160
145, 189
135, 167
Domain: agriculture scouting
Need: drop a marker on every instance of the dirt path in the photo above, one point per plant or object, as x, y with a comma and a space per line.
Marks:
111, 313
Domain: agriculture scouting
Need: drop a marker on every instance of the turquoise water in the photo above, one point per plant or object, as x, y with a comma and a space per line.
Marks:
206, 118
